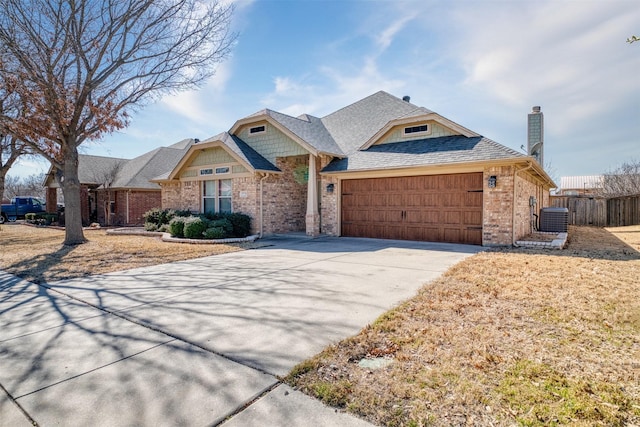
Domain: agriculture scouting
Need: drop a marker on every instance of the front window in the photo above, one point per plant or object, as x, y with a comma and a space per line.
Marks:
216, 196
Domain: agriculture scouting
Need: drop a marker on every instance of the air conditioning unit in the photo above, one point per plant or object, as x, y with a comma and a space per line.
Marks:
554, 220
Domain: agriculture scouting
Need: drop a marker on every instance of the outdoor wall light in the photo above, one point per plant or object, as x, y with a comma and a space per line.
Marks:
330, 188
493, 180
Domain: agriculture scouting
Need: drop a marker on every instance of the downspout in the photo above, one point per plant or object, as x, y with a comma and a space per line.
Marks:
513, 203
260, 231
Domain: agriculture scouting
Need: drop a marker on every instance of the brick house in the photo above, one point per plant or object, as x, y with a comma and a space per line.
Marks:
380, 167
119, 191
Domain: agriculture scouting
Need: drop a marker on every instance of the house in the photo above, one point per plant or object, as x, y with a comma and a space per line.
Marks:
119, 191
586, 185
381, 167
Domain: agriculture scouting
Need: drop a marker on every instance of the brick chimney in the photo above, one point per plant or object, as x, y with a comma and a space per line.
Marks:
535, 135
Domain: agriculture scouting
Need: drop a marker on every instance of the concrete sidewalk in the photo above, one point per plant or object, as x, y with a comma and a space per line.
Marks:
199, 342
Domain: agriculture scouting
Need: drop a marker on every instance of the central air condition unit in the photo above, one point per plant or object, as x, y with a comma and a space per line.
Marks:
554, 220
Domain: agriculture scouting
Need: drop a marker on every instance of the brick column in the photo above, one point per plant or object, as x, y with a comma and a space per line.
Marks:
312, 218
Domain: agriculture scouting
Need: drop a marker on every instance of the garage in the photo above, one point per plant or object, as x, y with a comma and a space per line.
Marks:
435, 208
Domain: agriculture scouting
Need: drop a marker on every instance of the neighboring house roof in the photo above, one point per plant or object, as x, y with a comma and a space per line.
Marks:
585, 182
138, 173
93, 169
429, 151
124, 173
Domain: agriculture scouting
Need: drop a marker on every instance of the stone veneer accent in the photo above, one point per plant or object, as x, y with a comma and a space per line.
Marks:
328, 201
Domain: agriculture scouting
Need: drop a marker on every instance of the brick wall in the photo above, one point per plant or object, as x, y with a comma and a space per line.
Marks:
328, 201
285, 200
497, 221
141, 202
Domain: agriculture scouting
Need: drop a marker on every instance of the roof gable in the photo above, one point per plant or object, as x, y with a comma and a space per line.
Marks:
234, 146
307, 131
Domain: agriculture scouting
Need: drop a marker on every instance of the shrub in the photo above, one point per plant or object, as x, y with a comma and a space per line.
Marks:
30, 217
158, 217
41, 218
150, 226
176, 227
215, 233
241, 224
225, 225
194, 226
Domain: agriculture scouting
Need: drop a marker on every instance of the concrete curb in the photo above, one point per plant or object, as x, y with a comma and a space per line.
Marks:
558, 243
166, 237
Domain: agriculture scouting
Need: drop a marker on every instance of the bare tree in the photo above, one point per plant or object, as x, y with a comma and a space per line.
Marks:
27, 186
106, 178
80, 67
622, 181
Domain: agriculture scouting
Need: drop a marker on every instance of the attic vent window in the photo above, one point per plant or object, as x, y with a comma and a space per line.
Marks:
416, 129
257, 129
223, 170
206, 171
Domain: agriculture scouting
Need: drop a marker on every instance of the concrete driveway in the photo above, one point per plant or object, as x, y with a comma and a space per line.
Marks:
199, 342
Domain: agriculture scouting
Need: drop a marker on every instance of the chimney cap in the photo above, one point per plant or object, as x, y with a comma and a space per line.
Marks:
535, 108
406, 98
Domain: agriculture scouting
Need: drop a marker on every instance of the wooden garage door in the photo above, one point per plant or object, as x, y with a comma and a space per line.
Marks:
435, 208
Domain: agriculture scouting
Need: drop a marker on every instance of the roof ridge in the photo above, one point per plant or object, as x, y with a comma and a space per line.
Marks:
356, 102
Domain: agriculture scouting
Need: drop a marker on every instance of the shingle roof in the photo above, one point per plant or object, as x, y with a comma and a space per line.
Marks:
95, 170
310, 129
431, 151
355, 124
242, 150
138, 172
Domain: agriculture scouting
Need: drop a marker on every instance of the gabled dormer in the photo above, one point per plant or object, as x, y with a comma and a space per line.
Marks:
274, 134
417, 125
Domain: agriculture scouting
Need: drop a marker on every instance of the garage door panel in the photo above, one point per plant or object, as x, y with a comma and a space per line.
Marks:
445, 208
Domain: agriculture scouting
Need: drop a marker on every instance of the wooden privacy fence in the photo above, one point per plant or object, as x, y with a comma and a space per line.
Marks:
600, 211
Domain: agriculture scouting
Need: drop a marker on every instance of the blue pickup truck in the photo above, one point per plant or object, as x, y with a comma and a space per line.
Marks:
19, 207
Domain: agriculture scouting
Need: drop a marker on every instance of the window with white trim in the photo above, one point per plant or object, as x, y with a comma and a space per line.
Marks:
216, 196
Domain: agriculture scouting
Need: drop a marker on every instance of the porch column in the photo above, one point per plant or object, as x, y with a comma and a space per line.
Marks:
312, 217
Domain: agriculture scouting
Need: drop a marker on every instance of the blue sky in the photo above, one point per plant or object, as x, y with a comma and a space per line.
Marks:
482, 64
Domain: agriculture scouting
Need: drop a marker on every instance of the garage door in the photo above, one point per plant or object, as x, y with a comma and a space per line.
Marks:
436, 208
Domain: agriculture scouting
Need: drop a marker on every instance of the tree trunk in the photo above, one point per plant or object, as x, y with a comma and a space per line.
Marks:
73, 207
2, 177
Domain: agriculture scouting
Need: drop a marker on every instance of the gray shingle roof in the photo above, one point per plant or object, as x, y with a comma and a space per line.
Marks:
138, 172
310, 129
431, 151
355, 124
246, 153
94, 170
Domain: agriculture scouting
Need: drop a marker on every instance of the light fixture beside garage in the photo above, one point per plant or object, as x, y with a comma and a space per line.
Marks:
493, 180
330, 188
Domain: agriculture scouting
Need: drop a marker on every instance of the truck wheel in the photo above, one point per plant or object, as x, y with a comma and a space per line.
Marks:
3, 219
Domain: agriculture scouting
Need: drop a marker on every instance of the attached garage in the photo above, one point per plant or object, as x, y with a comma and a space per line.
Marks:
437, 208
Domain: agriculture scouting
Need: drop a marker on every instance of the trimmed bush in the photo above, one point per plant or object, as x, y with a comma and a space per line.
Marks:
41, 218
194, 226
176, 226
241, 224
225, 224
215, 233
150, 226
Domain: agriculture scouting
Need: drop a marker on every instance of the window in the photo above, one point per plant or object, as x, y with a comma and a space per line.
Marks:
206, 171
415, 129
257, 129
216, 195
223, 170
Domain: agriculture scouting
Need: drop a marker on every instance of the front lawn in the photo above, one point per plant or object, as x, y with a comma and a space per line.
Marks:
506, 337
37, 254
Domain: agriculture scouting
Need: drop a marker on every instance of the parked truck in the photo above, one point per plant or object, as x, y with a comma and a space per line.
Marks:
19, 207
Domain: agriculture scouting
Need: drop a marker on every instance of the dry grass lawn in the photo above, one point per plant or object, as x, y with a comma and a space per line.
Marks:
37, 254
507, 337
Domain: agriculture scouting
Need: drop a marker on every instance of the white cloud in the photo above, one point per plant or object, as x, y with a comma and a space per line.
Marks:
385, 38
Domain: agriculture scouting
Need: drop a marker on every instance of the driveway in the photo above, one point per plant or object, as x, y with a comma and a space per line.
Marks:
199, 342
